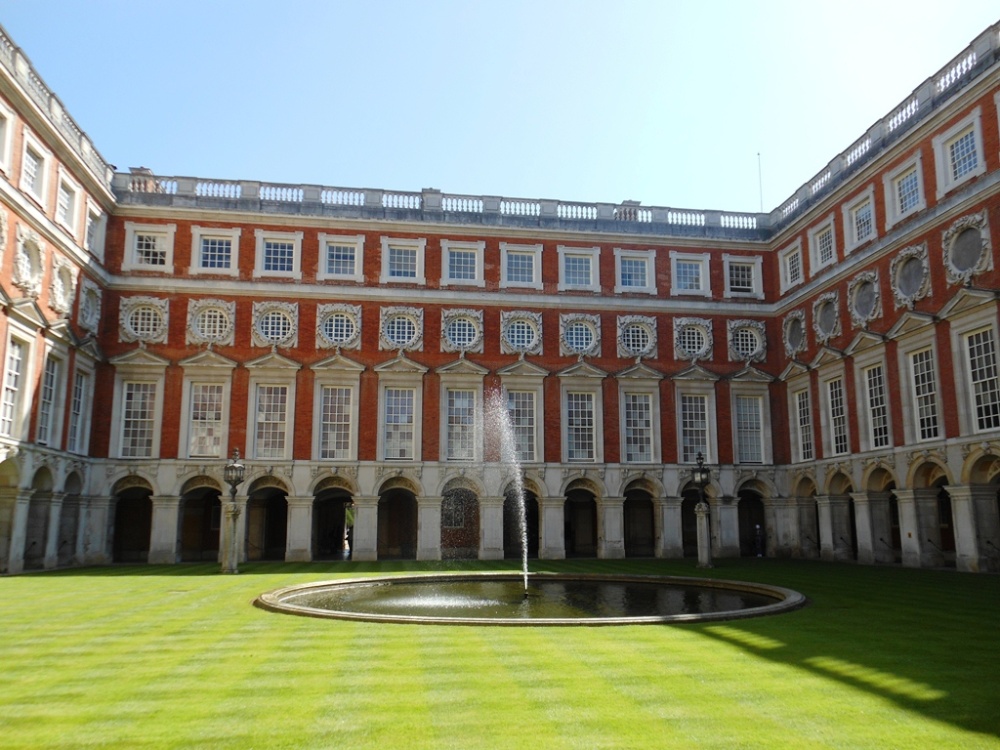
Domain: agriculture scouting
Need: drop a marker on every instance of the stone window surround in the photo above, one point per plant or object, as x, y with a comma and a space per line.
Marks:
260, 237
527, 383
477, 247
23, 405
863, 361
164, 233
814, 233
137, 373
589, 385
30, 141
460, 382
217, 373
6, 137
757, 262
705, 289
335, 378
850, 210
594, 256
827, 376
648, 387
198, 233
357, 241
906, 347
793, 388
890, 182
592, 321
64, 179
647, 256
406, 381
535, 251
942, 158
962, 326
418, 245
695, 388
758, 391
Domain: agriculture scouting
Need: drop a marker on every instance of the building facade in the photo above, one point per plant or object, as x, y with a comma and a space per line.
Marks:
834, 360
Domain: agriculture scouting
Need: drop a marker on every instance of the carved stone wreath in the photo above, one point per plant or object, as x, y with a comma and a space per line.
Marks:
197, 332
388, 315
62, 286
156, 312
910, 273
324, 313
450, 316
630, 322
89, 310
865, 299
593, 322
265, 310
29, 262
681, 350
793, 332
509, 318
826, 316
965, 253
758, 329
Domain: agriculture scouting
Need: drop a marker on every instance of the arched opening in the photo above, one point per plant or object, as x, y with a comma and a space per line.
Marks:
580, 524
69, 522
639, 526
9, 479
397, 525
267, 524
459, 524
946, 528
200, 521
333, 524
132, 525
690, 498
750, 512
39, 508
895, 538
512, 524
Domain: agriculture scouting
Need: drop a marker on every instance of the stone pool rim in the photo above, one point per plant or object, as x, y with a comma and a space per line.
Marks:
786, 599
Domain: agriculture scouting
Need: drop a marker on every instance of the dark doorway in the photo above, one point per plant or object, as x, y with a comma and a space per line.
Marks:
397, 525
201, 517
459, 525
689, 522
133, 525
750, 510
640, 531
580, 524
267, 524
512, 527
333, 525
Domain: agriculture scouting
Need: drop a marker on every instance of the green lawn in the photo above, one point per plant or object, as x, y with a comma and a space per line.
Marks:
149, 657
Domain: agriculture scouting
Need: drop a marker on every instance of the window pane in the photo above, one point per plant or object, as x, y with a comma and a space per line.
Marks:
521, 406
138, 415
272, 409
399, 433
11, 387
633, 271
521, 268
925, 394
985, 386
402, 263
748, 430
878, 410
838, 416
461, 435
638, 427
804, 425
216, 252
206, 419
580, 426
335, 424
462, 265
340, 260
694, 427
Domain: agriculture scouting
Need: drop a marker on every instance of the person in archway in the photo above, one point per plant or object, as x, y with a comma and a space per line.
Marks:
758, 540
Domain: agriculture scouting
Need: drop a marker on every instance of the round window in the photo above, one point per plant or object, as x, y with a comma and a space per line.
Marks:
338, 327
275, 326
693, 340
145, 322
910, 277
795, 334
967, 249
400, 330
826, 317
636, 338
212, 323
521, 334
580, 336
746, 342
462, 332
865, 298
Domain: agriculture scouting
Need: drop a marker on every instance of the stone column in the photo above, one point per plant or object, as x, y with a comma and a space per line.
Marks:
786, 541
298, 540
701, 512
18, 532
809, 538
826, 532
840, 515
365, 539
242, 519
726, 529
909, 535
96, 547
166, 528
611, 527
977, 526
51, 559
864, 526
232, 534
667, 518
929, 527
878, 507
552, 520
491, 528
429, 527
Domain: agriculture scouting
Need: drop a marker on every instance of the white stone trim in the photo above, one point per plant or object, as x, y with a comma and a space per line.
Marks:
792, 349
194, 334
852, 240
199, 233
680, 351
88, 314
336, 378
890, 183
918, 252
357, 241
701, 259
289, 309
507, 317
942, 159
261, 236
979, 221
447, 247
646, 321
814, 233
759, 331
417, 245
323, 312
757, 263
758, 391
163, 232
593, 254
784, 255
416, 316
129, 305
29, 262
507, 248
593, 322
32, 142
62, 284
648, 257
65, 179
476, 316
7, 120
858, 318
832, 298
644, 387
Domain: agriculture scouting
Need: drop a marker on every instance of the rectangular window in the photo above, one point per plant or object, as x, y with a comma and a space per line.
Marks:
335, 423
580, 426
793, 267
577, 270
521, 407
75, 439
694, 427
838, 416
462, 265
521, 268
13, 375
150, 250
272, 419
985, 386
638, 418
925, 393
962, 154
33, 173
138, 420
205, 428
402, 263
452, 512
749, 444
862, 221
634, 273
878, 409
66, 205
216, 252
340, 260
688, 277
47, 399
741, 278
804, 423
399, 432
907, 191
279, 256
461, 435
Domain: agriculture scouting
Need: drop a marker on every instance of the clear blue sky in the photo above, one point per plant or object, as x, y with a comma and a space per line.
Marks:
664, 102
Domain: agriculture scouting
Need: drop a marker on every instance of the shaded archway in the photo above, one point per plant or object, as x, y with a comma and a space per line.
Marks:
39, 509
750, 513
690, 497
580, 523
512, 525
69, 521
945, 521
640, 529
333, 524
9, 481
133, 524
806, 534
397, 524
459, 524
267, 523
200, 521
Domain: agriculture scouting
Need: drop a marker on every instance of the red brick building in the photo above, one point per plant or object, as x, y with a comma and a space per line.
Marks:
834, 360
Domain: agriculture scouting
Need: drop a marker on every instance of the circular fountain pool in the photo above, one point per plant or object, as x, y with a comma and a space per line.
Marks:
550, 599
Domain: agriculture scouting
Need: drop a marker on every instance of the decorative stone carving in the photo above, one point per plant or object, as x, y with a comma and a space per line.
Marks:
520, 332
3, 233
967, 248
692, 338
864, 299
401, 329
637, 336
579, 334
29, 262
144, 319
462, 331
793, 333
910, 274
747, 341
275, 324
338, 326
62, 286
826, 316
211, 321
89, 308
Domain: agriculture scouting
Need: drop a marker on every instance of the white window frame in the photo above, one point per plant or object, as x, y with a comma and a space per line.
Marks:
97, 218
21, 416
357, 241
64, 180
906, 349
137, 373
852, 240
205, 374
591, 386
826, 413
890, 183
418, 246
270, 371
53, 428
815, 232
942, 156
646, 256
795, 425
593, 255
465, 246
261, 237
754, 261
536, 427
636, 386
164, 232
706, 390
333, 376
351, 451
980, 319
759, 393
6, 137
44, 163
476, 388
535, 251
401, 383
784, 256
863, 363
700, 259
199, 233
82, 438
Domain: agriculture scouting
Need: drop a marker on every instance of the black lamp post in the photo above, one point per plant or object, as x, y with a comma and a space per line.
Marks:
233, 473
701, 476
